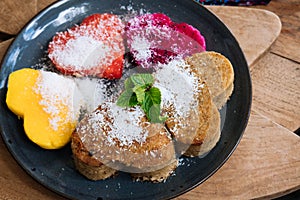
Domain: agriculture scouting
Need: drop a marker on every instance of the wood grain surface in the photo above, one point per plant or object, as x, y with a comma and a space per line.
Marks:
15, 14
288, 43
277, 98
41, 4
255, 30
3, 47
266, 163
276, 78
258, 167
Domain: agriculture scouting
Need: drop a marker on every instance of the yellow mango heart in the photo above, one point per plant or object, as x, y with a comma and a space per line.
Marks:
45, 101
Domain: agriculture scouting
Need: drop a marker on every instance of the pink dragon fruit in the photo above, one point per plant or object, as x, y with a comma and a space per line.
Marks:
194, 34
154, 38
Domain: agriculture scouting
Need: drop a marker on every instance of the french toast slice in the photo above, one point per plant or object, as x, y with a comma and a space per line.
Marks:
193, 129
198, 142
158, 175
86, 164
199, 131
212, 136
217, 71
114, 138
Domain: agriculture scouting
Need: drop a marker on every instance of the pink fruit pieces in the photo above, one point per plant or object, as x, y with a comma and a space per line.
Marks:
154, 39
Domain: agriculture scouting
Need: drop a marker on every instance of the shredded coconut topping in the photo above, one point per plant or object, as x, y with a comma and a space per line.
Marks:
119, 125
89, 45
154, 38
83, 53
57, 97
178, 85
141, 48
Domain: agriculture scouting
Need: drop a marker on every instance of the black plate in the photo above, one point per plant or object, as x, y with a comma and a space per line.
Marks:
55, 169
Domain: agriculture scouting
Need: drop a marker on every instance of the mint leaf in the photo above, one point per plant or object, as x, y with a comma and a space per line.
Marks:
133, 101
142, 79
127, 99
139, 91
128, 84
155, 95
152, 96
151, 105
154, 114
147, 104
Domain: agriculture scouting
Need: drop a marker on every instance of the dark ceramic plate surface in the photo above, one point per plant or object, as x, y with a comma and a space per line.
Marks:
55, 169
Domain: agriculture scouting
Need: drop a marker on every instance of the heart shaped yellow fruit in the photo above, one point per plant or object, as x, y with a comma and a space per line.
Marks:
45, 101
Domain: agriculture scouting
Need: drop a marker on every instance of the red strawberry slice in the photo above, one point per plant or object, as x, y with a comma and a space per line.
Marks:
94, 48
154, 38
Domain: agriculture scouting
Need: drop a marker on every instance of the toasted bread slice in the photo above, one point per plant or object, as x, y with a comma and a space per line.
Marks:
211, 137
156, 176
86, 164
124, 140
217, 71
193, 128
156, 153
199, 131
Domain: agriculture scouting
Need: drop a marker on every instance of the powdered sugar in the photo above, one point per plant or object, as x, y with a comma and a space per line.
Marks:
91, 92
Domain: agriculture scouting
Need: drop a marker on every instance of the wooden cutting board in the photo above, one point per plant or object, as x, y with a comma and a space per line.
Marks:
266, 162
255, 29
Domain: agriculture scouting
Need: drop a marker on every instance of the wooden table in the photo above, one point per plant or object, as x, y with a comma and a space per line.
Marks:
266, 164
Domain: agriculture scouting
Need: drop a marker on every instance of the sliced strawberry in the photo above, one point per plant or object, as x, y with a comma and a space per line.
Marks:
154, 38
113, 71
94, 48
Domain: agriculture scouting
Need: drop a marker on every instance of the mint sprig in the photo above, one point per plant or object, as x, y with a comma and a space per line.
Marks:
139, 91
